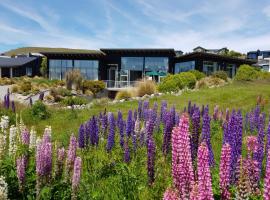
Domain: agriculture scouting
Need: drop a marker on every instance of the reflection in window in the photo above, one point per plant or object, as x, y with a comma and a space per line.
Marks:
156, 64
230, 69
132, 63
184, 66
28, 71
88, 68
209, 67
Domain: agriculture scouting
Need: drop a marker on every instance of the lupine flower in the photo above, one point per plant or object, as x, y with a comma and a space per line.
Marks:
33, 138
189, 107
13, 107
243, 187
172, 111
170, 194
119, 117
104, 124
31, 101
2, 144
194, 194
135, 114
25, 137
167, 131
110, 141
204, 176
206, 136
81, 137
94, 137
224, 172
215, 115
142, 136
129, 123
145, 109
71, 155
266, 194
3, 188
140, 109
195, 134
21, 167
151, 151
163, 110
60, 162
182, 170
150, 124
76, 177
252, 146
268, 138
134, 137
12, 140
126, 153
253, 175
41, 96
121, 132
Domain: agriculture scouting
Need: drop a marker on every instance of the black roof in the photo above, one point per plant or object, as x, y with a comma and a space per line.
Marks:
15, 62
74, 55
138, 51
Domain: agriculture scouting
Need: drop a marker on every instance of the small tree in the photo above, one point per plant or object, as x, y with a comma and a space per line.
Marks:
43, 68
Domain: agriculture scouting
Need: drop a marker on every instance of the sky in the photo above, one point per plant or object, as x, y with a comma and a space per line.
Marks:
241, 25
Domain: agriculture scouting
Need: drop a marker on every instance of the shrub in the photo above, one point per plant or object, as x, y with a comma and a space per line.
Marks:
145, 87
187, 79
39, 110
124, 94
220, 74
246, 73
73, 78
60, 92
199, 75
70, 101
168, 84
15, 89
94, 86
49, 98
264, 75
25, 86
209, 82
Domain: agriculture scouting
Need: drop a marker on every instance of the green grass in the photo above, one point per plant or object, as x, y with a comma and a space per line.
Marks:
106, 177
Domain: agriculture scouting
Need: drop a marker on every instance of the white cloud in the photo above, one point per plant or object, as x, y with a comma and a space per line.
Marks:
266, 11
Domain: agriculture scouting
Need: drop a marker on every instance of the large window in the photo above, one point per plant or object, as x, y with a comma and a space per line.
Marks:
88, 68
156, 64
132, 63
184, 66
209, 67
230, 69
55, 69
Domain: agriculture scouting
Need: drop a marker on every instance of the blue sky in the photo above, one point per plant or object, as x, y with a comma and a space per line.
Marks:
241, 25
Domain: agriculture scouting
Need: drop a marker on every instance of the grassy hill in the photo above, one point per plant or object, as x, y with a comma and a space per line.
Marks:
26, 50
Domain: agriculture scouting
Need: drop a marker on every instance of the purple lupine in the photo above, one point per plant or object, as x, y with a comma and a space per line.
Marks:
189, 107
104, 124
145, 109
268, 138
225, 138
167, 131
13, 106
206, 136
25, 137
41, 96
195, 133
21, 168
239, 134
71, 155
119, 117
142, 136
110, 140
121, 127
257, 112
182, 170
129, 124
224, 172
266, 194
134, 137
151, 151
163, 110
135, 114
246, 122
177, 118
82, 137
31, 101
140, 109
60, 158
76, 173
8, 100
150, 124
204, 176
172, 111
94, 137
126, 153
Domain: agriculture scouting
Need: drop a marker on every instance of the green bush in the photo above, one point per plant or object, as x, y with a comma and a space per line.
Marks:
25, 86
173, 83
124, 94
220, 74
94, 86
60, 91
264, 75
70, 101
39, 110
199, 75
246, 73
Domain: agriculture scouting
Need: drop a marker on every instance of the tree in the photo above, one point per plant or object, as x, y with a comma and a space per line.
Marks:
43, 68
233, 54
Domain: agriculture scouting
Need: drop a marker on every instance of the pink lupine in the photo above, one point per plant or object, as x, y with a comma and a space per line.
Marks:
194, 195
76, 176
21, 167
224, 171
25, 136
71, 155
204, 176
182, 170
170, 194
266, 194
252, 146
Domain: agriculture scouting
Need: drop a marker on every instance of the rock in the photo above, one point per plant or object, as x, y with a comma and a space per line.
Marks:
122, 100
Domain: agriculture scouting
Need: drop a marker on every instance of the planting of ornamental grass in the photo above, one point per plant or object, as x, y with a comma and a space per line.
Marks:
206, 144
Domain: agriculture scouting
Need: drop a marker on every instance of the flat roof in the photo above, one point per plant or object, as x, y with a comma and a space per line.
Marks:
15, 62
138, 50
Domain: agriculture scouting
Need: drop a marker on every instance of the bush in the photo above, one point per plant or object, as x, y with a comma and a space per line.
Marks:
246, 73
94, 86
264, 75
25, 86
199, 75
168, 84
70, 101
60, 92
145, 87
39, 110
187, 79
220, 74
73, 78
209, 82
124, 94
15, 89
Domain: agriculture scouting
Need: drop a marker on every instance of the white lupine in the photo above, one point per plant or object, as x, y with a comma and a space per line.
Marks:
38, 141
12, 140
137, 127
2, 144
48, 130
4, 122
33, 138
3, 188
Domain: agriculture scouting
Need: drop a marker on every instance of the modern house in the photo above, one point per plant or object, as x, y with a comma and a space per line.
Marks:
262, 57
122, 67
19, 66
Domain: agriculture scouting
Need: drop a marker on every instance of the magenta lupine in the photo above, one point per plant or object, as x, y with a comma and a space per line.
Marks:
21, 168
195, 134
129, 124
82, 137
151, 151
111, 136
71, 155
206, 135
76, 176
204, 176
266, 193
194, 194
25, 137
171, 194
182, 170
224, 172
